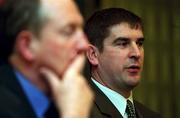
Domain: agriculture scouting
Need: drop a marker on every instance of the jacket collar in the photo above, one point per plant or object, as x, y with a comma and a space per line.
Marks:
104, 104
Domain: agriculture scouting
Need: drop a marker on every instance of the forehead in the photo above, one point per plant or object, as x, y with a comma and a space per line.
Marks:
61, 11
124, 30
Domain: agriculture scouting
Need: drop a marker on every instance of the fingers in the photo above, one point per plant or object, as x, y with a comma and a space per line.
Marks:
52, 79
74, 70
71, 92
76, 67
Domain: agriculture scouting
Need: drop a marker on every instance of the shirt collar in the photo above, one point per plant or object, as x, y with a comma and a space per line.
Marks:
37, 98
118, 100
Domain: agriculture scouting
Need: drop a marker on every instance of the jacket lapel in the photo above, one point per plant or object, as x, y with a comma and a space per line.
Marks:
138, 112
104, 104
12, 87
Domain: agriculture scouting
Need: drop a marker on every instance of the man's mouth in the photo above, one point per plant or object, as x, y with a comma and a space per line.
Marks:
133, 68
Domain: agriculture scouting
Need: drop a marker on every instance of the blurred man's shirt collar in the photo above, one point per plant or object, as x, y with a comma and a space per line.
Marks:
37, 98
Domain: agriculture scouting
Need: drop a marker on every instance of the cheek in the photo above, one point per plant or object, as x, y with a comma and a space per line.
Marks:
55, 55
118, 58
64, 52
113, 61
54, 49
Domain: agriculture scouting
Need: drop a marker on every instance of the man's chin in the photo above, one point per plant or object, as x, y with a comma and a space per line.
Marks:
134, 81
132, 85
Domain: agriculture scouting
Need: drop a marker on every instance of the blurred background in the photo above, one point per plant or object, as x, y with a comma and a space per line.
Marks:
160, 86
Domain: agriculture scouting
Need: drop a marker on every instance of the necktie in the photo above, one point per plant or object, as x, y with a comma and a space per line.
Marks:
51, 112
130, 110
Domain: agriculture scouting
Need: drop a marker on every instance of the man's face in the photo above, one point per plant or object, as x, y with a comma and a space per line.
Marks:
61, 38
121, 60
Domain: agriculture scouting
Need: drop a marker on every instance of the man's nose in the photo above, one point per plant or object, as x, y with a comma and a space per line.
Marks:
82, 44
135, 51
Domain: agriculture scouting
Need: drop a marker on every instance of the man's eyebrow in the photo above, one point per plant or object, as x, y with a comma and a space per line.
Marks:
141, 39
72, 25
120, 39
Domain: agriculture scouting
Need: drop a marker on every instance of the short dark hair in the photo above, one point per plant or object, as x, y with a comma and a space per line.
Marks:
97, 26
16, 16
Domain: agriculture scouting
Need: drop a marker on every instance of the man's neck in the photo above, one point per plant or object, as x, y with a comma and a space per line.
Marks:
30, 71
101, 79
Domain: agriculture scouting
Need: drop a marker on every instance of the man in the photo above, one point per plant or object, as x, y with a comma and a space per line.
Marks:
45, 53
116, 57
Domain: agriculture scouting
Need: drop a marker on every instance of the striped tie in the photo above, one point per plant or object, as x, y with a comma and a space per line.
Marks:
130, 110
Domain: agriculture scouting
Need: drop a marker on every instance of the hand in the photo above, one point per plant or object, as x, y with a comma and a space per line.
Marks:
71, 93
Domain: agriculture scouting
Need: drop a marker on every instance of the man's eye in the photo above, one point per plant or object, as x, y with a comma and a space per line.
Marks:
68, 32
122, 43
140, 43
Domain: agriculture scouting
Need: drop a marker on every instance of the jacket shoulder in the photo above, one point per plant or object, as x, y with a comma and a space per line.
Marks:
145, 111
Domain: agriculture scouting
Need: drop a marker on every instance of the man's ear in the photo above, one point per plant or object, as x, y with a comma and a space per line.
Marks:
92, 55
24, 44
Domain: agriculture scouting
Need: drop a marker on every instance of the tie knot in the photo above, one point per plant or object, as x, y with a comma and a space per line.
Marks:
130, 110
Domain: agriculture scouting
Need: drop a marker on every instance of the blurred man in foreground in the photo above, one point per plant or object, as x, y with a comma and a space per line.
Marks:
45, 54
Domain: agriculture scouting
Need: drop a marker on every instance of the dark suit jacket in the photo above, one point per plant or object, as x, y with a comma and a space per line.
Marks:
103, 108
13, 101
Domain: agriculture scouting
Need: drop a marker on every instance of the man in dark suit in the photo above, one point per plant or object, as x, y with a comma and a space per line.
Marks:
116, 57
44, 44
